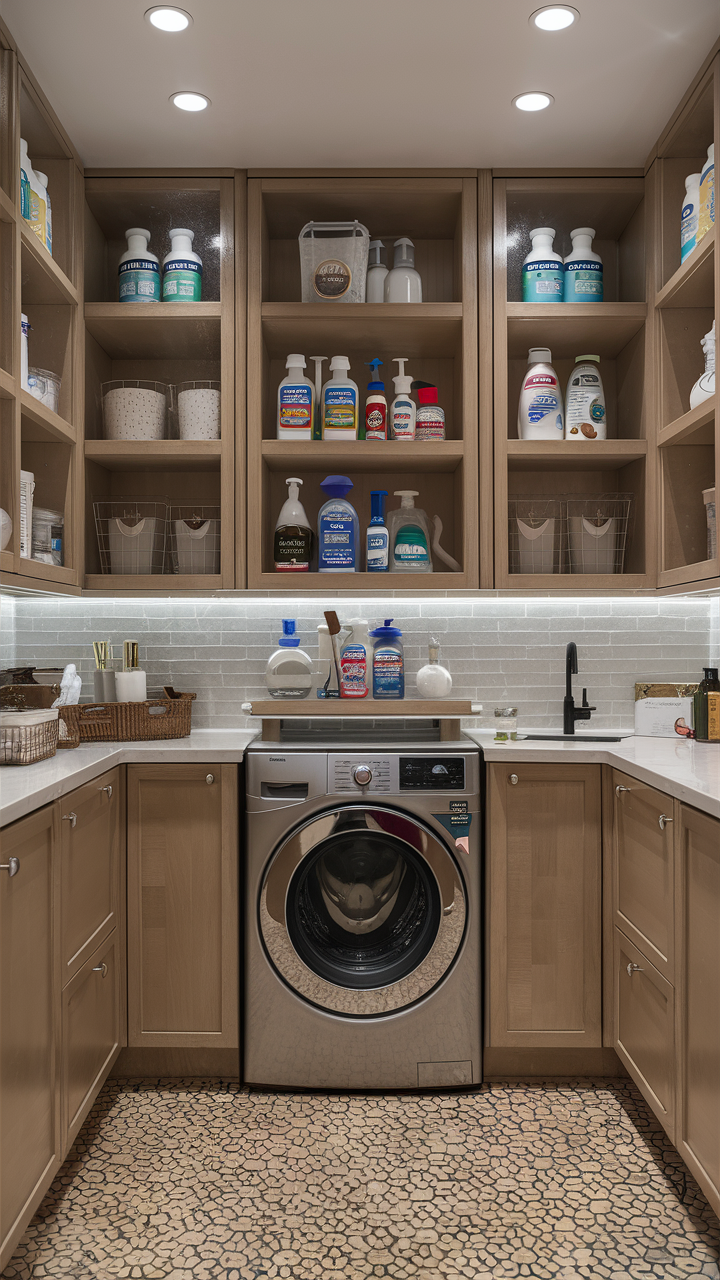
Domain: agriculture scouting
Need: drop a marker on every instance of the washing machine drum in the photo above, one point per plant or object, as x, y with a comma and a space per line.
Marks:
362, 910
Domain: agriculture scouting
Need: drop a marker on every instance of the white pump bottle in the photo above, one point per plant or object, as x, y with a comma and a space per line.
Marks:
182, 269
377, 274
403, 283
402, 410
138, 269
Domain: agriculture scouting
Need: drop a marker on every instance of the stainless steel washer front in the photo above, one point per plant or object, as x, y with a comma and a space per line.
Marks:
362, 910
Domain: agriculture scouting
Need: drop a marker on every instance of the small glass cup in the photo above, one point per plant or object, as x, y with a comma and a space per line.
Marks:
505, 723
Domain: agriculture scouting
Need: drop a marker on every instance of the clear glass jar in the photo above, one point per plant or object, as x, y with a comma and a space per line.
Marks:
505, 723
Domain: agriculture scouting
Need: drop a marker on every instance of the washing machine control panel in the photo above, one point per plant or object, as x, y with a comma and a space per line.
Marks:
363, 774
432, 773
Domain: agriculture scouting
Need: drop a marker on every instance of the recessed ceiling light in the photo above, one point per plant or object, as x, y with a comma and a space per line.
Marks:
166, 19
533, 101
190, 101
554, 17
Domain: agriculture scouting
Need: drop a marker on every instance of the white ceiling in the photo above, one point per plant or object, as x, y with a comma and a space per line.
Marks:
383, 82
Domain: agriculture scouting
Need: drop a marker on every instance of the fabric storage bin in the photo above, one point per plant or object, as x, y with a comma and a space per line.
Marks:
597, 526
535, 534
195, 539
133, 409
711, 518
26, 737
131, 535
198, 410
333, 261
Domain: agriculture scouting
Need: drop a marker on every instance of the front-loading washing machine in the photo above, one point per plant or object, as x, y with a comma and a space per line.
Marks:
363, 916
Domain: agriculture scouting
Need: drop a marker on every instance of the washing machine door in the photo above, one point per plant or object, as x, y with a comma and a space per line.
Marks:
362, 910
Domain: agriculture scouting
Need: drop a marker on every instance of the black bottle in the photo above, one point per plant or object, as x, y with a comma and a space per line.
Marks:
706, 707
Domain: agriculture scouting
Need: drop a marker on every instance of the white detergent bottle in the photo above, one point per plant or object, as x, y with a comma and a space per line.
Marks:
38, 207
182, 269
409, 536
583, 274
43, 181
289, 670
340, 403
689, 215
543, 270
376, 274
704, 388
296, 402
403, 410
138, 269
706, 212
585, 412
540, 411
403, 283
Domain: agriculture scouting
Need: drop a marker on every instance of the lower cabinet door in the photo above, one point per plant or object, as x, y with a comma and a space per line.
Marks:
644, 1028
90, 1033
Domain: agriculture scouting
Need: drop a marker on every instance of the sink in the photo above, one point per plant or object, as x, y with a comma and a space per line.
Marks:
572, 737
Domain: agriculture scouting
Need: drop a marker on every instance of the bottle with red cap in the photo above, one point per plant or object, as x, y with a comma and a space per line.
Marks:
430, 418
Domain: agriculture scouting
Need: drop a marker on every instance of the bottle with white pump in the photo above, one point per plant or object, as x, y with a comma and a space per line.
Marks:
182, 269
403, 283
138, 269
377, 274
403, 410
543, 269
583, 275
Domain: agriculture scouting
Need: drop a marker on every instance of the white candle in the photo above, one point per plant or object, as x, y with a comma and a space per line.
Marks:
131, 686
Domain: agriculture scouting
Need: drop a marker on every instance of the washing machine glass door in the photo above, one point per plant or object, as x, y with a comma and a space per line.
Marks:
362, 910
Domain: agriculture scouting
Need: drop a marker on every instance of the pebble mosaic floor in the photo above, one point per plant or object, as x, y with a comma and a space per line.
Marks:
199, 1180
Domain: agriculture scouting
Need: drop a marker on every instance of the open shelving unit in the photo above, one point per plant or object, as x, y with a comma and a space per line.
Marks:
161, 342
614, 329
685, 302
438, 336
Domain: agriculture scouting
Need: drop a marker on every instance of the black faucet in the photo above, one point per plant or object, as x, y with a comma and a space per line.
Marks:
571, 713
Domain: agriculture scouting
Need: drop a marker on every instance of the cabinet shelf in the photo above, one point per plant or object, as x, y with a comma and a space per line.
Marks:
42, 280
566, 455
367, 584
7, 385
47, 425
572, 328
421, 329
156, 330
695, 427
157, 583
692, 285
155, 455
363, 455
400, 708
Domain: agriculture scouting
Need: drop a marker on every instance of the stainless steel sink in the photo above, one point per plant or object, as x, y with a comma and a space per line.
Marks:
572, 737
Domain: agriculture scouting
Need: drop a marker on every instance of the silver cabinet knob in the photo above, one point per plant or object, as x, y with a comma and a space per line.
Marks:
619, 791
634, 968
210, 778
109, 791
362, 774
663, 821
102, 969
71, 818
12, 866
513, 779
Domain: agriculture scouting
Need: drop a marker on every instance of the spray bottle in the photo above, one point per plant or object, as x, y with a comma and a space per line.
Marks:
376, 409
377, 538
403, 410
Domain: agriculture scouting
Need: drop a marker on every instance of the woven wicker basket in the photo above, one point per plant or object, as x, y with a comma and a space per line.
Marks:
132, 721
28, 744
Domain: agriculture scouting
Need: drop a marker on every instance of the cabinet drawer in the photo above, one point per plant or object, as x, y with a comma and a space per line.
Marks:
644, 869
90, 1033
89, 875
644, 1028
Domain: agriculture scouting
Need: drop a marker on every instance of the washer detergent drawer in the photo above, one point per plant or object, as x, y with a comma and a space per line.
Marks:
278, 779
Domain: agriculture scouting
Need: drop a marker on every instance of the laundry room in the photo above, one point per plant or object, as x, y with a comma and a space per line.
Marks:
359, 711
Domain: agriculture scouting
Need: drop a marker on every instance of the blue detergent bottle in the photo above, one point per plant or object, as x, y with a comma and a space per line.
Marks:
338, 528
377, 539
388, 662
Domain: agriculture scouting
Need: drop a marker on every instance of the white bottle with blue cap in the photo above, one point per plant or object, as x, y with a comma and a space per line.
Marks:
289, 671
338, 528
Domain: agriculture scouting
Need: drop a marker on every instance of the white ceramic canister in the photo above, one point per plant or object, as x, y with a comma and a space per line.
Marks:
198, 406
134, 410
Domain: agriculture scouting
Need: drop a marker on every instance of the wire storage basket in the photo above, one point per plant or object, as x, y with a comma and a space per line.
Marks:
195, 539
597, 532
535, 533
132, 534
26, 737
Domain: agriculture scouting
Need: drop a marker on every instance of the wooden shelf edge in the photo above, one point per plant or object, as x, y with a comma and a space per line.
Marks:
307, 708
20, 582
7, 385
363, 310
696, 262
153, 310
576, 582
685, 575
7, 561
569, 455
62, 575
575, 310
122, 455
46, 418
364, 455
690, 422
47, 263
112, 583
8, 212
367, 584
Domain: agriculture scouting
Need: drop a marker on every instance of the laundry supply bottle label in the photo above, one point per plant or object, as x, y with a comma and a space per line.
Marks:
353, 671
377, 550
403, 419
583, 282
388, 674
430, 423
337, 543
182, 281
139, 278
340, 410
688, 229
293, 549
376, 422
411, 545
25, 196
542, 281
296, 407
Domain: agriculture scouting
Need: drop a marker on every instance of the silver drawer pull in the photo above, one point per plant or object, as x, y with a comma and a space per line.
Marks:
513, 779
71, 818
109, 791
210, 778
634, 968
663, 821
619, 790
12, 866
102, 969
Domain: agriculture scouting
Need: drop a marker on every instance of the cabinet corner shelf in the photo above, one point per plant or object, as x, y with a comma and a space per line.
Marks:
155, 455
46, 424
566, 455
697, 426
364, 455
692, 285
156, 330
42, 280
570, 328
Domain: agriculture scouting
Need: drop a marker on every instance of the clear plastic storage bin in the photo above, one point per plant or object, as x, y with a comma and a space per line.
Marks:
45, 385
131, 535
333, 261
597, 528
133, 409
195, 539
535, 534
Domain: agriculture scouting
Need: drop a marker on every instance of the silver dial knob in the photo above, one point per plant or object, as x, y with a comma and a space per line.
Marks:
362, 774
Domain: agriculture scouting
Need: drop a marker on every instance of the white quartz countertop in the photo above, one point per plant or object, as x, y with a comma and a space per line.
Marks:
689, 771
25, 788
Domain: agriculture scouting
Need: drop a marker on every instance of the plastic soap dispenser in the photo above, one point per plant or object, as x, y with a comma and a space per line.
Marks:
540, 411
138, 269
182, 269
293, 546
338, 528
434, 681
376, 274
689, 215
296, 402
388, 662
377, 539
403, 409
375, 426
289, 670
583, 276
340, 403
409, 534
543, 270
403, 283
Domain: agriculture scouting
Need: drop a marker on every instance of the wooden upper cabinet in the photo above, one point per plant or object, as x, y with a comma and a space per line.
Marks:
183, 906
90, 869
544, 861
29, 1116
643, 868
698, 984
